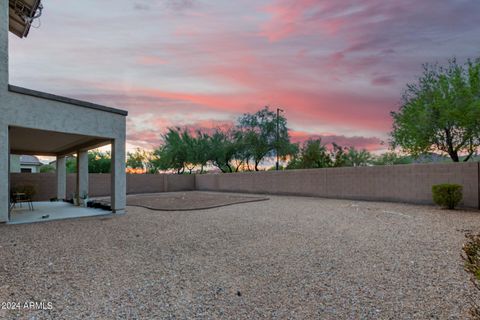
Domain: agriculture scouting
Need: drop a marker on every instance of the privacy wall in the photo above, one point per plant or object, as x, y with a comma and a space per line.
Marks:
99, 184
400, 183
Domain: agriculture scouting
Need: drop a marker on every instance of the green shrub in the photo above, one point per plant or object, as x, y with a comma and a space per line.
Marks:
447, 195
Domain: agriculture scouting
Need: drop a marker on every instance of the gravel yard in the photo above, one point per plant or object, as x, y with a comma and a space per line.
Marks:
288, 257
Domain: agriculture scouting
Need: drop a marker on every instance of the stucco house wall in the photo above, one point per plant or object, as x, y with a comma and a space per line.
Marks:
28, 109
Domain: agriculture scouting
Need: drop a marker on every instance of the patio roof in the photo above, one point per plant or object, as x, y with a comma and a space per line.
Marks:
50, 143
53, 97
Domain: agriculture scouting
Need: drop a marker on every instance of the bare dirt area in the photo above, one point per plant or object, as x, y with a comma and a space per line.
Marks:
286, 258
185, 201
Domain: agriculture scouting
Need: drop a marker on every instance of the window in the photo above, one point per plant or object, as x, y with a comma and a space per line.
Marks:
26, 170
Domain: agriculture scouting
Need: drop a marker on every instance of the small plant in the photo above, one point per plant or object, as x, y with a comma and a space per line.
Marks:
75, 199
471, 257
447, 195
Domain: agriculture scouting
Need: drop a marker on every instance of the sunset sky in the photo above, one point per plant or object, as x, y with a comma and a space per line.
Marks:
337, 67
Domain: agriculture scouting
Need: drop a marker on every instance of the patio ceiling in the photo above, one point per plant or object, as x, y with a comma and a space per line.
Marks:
50, 143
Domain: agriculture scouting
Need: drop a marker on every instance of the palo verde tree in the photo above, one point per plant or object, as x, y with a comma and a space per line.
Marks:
222, 150
259, 135
441, 112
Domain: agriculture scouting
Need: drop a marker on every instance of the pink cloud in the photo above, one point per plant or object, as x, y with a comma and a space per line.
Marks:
151, 60
359, 142
383, 80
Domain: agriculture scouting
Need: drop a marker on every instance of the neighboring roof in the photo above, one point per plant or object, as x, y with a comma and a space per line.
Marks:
21, 15
53, 97
29, 160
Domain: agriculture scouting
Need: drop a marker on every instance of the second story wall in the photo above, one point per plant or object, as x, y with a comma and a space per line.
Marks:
4, 20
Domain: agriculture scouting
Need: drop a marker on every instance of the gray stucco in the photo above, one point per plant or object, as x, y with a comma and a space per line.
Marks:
61, 171
25, 108
3, 46
82, 174
53, 97
118, 176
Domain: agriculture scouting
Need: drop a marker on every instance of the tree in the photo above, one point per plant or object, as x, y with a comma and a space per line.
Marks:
312, 154
99, 162
222, 150
339, 155
173, 153
47, 168
141, 159
71, 164
441, 112
259, 133
242, 153
357, 158
201, 150
391, 158
136, 159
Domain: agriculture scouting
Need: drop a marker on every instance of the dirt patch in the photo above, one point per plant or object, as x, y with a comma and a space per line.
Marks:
186, 201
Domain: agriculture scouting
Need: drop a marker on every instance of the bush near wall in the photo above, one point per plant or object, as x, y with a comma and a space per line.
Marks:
447, 195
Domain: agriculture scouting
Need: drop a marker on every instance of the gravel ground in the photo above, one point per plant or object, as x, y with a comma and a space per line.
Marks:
185, 201
286, 258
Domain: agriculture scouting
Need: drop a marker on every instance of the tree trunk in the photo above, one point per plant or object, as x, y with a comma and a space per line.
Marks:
454, 156
237, 167
468, 157
451, 151
256, 165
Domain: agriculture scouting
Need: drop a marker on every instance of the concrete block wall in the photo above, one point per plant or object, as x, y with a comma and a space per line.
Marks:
45, 184
400, 183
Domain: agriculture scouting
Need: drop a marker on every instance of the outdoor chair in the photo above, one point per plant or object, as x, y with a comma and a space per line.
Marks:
21, 197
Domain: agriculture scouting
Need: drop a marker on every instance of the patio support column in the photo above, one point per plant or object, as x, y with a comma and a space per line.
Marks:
61, 178
4, 172
118, 176
82, 174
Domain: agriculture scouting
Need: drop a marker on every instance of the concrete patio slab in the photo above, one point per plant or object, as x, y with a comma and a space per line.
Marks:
48, 211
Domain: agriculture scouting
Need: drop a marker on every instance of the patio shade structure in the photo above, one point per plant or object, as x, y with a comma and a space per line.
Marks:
39, 123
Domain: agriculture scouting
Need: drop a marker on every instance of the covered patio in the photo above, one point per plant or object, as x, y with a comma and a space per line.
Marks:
61, 145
